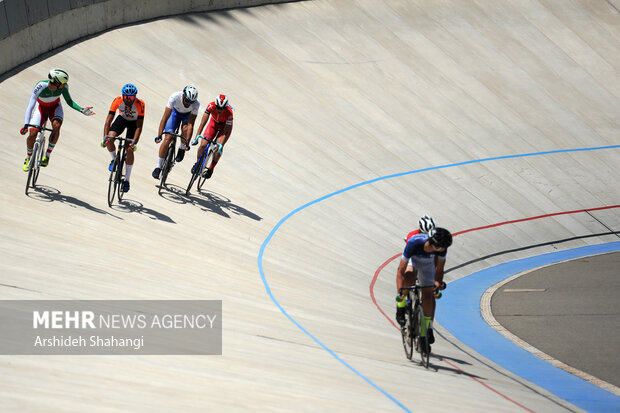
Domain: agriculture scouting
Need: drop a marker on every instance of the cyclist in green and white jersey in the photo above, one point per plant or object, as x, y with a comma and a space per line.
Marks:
45, 101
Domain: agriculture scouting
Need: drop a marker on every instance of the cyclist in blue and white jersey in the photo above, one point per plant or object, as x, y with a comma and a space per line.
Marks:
182, 109
45, 104
426, 254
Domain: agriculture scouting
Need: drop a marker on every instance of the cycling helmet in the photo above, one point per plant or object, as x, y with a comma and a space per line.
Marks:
129, 90
221, 102
440, 237
190, 93
426, 224
58, 76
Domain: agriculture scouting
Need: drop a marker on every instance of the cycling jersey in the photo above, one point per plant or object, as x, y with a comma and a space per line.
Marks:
48, 99
220, 123
411, 234
176, 102
131, 113
226, 115
421, 260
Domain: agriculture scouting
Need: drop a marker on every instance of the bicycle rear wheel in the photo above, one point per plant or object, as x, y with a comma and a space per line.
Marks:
120, 177
165, 169
112, 185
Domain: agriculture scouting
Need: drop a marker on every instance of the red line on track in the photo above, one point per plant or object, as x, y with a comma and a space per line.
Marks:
389, 260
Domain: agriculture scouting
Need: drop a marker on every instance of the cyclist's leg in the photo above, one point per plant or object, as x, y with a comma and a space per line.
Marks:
53, 140
224, 134
173, 123
131, 131
409, 279
186, 133
427, 280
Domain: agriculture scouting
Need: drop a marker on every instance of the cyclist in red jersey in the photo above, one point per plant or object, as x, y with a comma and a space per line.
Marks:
219, 114
131, 116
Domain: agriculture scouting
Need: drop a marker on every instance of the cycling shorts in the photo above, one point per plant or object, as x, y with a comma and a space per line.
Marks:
175, 120
215, 127
120, 123
42, 113
426, 270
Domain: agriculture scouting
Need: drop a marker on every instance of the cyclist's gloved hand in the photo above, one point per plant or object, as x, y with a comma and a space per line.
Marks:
196, 139
399, 298
87, 111
24, 130
134, 146
157, 139
219, 149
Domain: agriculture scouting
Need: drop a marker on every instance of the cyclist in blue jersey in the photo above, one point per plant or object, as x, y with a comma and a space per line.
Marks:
426, 255
45, 104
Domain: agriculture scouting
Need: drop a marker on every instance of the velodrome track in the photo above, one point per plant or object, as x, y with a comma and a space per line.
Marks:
351, 120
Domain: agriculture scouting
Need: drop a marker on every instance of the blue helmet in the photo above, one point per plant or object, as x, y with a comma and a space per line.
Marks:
129, 90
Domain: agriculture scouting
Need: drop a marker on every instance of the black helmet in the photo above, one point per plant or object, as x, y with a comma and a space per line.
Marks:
440, 237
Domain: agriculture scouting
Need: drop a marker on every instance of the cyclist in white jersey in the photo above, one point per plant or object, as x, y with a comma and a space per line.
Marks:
182, 109
45, 100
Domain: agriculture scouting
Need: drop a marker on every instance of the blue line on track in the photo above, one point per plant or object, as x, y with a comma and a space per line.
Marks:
316, 201
460, 314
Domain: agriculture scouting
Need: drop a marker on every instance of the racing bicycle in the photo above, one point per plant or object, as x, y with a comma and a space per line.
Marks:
206, 159
169, 161
414, 331
34, 162
117, 175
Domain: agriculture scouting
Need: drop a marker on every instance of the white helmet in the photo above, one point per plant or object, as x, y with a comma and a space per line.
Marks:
58, 76
221, 102
190, 93
426, 224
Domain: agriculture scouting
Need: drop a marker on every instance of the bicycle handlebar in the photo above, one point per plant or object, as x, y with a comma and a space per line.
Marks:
39, 127
121, 138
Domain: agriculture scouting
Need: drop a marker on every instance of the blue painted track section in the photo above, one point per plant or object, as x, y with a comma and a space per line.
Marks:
371, 181
460, 314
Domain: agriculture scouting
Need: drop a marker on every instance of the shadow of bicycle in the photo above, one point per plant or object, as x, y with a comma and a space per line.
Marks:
208, 201
45, 193
131, 206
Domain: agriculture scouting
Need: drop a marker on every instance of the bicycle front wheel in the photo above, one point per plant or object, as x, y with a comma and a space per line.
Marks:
408, 333
423, 346
112, 186
34, 164
120, 177
165, 169
208, 164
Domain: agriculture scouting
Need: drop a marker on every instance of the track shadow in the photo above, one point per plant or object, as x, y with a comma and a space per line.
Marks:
211, 201
129, 206
48, 194
208, 201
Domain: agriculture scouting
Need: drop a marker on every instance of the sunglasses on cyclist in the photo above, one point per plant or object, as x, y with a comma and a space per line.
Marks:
130, 98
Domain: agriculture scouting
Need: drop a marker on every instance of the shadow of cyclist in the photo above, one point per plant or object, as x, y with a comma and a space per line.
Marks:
48, 194
129, 206
213, 202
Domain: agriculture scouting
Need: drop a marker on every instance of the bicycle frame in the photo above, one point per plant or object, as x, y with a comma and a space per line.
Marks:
116, 175
37, 155
169, 160
415, 325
